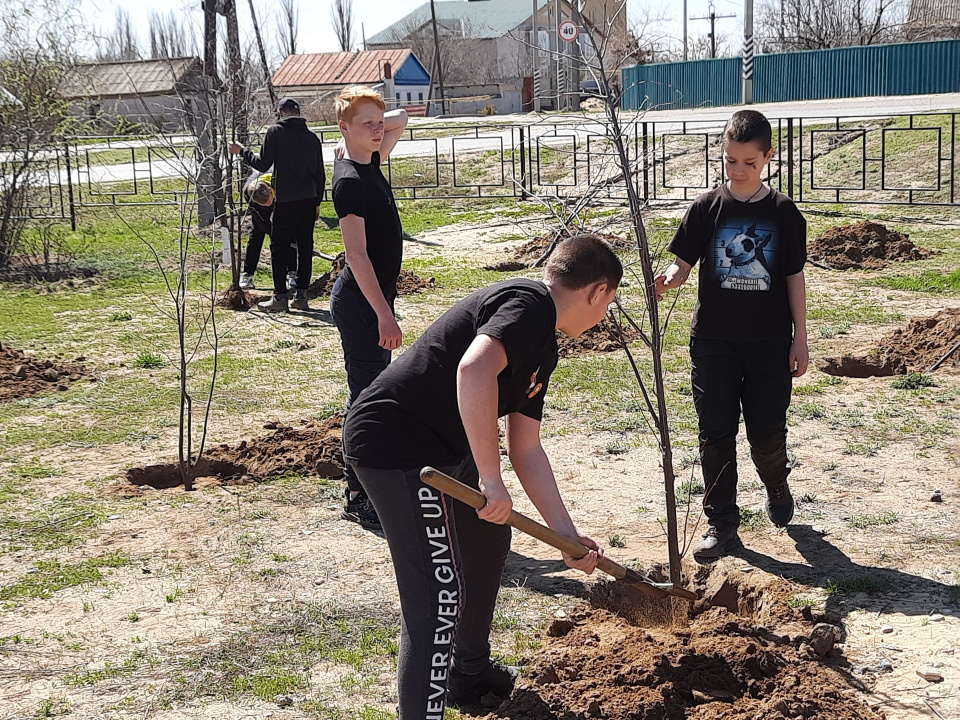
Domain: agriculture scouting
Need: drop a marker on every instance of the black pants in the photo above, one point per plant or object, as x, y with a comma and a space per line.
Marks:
448, 564
292, 226
729, 375
262, 221
363, 357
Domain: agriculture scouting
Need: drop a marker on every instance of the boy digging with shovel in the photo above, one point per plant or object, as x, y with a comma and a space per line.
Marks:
489, 356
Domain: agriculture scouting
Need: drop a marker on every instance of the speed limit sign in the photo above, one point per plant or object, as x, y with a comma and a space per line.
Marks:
568, 31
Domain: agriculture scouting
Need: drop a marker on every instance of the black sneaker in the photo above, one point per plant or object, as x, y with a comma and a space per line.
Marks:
465, 690
715, 544
360, 510
779, 504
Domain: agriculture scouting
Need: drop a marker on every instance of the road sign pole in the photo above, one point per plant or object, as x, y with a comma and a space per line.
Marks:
748, 52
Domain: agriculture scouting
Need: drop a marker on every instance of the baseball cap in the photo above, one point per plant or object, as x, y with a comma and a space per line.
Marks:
288, 103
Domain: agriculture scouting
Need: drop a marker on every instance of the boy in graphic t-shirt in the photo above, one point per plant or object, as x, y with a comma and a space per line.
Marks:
363, 296
489, 356
748, 338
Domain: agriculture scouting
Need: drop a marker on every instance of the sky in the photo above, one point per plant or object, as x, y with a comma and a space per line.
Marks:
316, 31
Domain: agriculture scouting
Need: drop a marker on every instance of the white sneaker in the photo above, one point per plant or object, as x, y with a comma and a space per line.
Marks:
246, 282
291, 281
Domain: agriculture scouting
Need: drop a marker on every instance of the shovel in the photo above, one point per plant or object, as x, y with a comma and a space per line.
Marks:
468, 495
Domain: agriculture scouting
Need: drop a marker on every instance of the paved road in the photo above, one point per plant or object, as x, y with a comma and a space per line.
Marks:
501, 130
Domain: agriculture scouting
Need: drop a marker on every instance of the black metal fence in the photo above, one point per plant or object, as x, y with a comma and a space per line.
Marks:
890, 159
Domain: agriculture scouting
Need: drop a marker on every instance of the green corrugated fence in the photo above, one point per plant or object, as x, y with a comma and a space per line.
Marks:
903, 69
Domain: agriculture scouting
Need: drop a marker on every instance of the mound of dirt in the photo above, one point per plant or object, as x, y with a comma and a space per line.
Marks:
313, 448
914, 348
720, 664
864, 245
506, 266
23, 376
600, 338
530, 251
407, 284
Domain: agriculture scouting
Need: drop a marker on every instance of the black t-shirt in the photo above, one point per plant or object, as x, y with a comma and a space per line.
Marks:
362, 190
409, 416
745, 251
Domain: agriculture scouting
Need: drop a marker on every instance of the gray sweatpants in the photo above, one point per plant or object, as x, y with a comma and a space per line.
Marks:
448, 564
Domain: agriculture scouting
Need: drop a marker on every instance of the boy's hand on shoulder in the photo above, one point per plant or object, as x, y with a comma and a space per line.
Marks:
236, 148
588, 563
799, 357
391, 336
499, 503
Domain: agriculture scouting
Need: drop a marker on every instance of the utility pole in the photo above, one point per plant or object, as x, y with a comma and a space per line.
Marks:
685, 54
436, 54
747, 52
713, 17
559, 56
535, 43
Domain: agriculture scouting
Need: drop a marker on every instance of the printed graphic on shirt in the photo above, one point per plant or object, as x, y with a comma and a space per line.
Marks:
742, 253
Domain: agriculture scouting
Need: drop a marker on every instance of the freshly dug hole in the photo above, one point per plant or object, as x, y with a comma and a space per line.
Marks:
715, 664
913, 348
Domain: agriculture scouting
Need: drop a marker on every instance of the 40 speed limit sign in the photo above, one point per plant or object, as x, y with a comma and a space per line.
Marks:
568, 31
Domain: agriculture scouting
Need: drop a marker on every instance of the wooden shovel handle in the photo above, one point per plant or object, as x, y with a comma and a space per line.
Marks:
468, 495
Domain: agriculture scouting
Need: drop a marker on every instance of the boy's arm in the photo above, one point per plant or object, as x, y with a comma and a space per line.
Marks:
675, 276
533, 468
477, 399
261, 162
394, 123
355, 244
797, 298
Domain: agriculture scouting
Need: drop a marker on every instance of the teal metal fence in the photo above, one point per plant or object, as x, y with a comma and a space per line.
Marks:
903, 69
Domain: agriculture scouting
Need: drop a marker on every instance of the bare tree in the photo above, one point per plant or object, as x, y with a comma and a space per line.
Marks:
121, 44
341, 14
288, 21
170, 37
37, 45
784, 25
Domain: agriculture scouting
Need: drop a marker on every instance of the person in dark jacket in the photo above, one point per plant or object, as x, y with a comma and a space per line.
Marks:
258, 190
299, 179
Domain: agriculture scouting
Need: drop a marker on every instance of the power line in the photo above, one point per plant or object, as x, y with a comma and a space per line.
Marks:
713, 17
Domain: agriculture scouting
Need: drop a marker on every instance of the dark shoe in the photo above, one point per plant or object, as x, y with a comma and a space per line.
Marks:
300, 302
715, 544
360, 510
780, 504
469, 690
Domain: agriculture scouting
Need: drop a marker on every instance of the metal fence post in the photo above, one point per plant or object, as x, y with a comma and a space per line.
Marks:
523, 166
646, 166
790, 157
70, 199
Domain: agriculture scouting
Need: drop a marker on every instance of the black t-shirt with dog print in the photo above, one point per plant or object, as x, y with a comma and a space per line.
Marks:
409, 416
745, 251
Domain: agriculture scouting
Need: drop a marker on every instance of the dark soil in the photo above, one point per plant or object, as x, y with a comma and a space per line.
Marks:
23, 376
759, 660
407, 284
914, 348
313, 448
235, 299
506, 266
530, 251
598, 339
863, 245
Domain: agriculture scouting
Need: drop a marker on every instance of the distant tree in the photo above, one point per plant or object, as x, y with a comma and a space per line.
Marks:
121, 43
171, 37
288, 21
784, 25
341, 14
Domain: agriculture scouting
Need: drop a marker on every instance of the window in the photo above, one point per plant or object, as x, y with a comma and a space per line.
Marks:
408, 97
398, 96
420, 96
